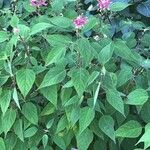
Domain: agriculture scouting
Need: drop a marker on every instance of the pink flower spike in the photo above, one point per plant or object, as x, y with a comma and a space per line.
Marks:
16, 30
104, 4
38, 3
79, 22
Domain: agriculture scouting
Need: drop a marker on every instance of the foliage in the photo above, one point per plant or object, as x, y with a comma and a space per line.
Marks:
74, 74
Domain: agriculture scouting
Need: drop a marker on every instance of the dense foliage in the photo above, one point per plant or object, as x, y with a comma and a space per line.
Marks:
74, 74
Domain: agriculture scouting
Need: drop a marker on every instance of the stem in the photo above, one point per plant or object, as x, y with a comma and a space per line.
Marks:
26, 47
79, 63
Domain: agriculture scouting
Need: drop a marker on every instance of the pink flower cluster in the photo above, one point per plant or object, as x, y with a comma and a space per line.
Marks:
104, 4
38, 3
79, 22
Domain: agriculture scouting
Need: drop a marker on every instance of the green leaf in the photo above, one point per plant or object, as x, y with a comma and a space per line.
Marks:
5, 100
124, 75
106, 53
85, 51
72, 114
118, 6
137, 97
145, 110
57, 6
114, 99
40, 27
86, 116
25, 79
65, 95
24, 31
145, 137
10, 141
84, 139
53, 76
8, 120
79, 78
62, 124
2, 144
92, 22
122, 50
49, 124
18, 128
59, 141
48, 109
106, 124
28, 7
55, 55
93, 77
50, 93
130, 129
58, 40
45, 140
96, 94
15, 97
61, 22
30, 132
29, 110
3, 36
14, 21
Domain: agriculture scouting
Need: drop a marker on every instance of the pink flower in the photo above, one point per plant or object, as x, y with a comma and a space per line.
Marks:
79, 22
38, 3
104, 4
16, 30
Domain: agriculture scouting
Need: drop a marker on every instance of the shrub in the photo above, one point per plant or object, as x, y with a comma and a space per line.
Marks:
74, 74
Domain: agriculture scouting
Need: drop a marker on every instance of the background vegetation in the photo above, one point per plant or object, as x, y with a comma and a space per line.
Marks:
65, 86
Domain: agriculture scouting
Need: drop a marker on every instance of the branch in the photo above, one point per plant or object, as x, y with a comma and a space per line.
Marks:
26, 47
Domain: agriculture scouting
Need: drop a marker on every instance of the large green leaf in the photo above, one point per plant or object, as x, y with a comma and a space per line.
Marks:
86, 116
106, 124
25, 79
18, 128
58, 40
45, 140
106, 53
118, 6
85, 51
84, 139
48, 109
30, 132
55, 55
115, 100
14, 21
3, 36
53, 76
40, 27
137, 97
5, 100
122, 50
50, 93
62, 124
29, 110
60, 142
92, 22
130, 129
62, 22
145, 110
8, 120
124, 75
146, 137
2, 144
79, 78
